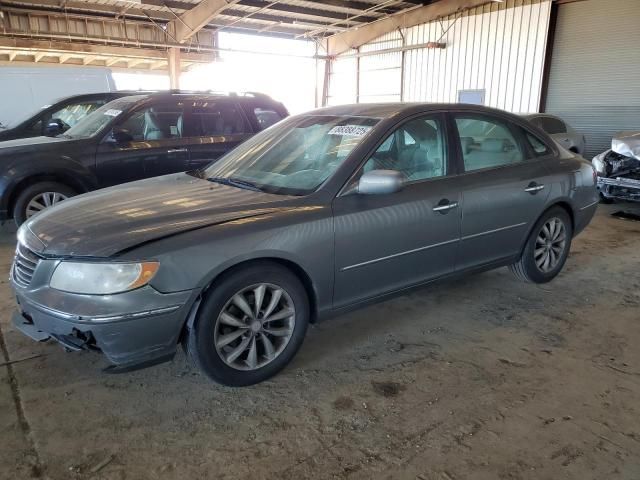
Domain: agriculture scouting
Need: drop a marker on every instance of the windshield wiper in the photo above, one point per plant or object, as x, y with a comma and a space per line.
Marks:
235, 182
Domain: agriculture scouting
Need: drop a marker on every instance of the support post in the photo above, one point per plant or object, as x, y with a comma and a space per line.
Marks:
173, 57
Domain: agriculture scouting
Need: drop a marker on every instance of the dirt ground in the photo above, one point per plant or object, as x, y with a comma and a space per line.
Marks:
481, 378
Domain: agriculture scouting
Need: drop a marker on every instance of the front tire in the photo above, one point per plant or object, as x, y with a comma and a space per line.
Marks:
547, 248
38, 197
250, 325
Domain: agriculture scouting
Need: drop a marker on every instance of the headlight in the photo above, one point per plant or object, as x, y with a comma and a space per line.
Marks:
598, 162
101, 278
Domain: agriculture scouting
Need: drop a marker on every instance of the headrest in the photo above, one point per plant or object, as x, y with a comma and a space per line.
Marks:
493, 145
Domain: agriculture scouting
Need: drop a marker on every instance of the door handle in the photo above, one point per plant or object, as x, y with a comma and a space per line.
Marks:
177, 150
534, 188
444, 206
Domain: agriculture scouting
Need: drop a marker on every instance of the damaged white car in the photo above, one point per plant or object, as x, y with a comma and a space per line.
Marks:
619, 168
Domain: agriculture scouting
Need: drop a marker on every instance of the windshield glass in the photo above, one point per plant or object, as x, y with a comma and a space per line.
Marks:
95, 122
294, 157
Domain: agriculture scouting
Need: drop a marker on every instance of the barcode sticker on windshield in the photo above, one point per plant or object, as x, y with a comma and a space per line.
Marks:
349, 130
112, 112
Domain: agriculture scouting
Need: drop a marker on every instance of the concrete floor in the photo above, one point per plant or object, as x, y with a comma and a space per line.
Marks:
482, 378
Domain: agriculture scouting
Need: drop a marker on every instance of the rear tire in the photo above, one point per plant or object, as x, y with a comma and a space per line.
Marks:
260, 347
547, 248
27, 200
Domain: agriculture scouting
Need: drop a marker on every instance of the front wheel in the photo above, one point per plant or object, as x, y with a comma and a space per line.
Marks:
250, 325
547, 248
37, 197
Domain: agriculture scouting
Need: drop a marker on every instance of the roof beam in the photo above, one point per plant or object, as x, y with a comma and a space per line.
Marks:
191, 21
342, 42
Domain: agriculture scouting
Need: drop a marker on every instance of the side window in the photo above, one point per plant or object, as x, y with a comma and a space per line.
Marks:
72, 114
216, 119
486, 143
266, 117
538, 146
553, 125
157, 122
416, 149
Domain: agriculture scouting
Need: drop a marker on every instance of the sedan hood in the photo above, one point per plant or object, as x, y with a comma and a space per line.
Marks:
28, 145
105, 222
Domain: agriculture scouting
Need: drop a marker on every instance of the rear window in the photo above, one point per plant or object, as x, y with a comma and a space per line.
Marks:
552, 125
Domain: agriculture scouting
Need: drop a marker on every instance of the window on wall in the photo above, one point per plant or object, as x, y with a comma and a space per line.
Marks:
474, 97
486, 143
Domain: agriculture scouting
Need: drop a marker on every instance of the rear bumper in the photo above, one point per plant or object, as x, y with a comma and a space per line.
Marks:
126, 337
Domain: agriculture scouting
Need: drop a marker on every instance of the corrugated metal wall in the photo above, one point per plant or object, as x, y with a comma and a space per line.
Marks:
498, 48
595, 67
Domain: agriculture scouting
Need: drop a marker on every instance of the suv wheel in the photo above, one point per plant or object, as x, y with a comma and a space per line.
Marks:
250, 325
547, 248
38, 197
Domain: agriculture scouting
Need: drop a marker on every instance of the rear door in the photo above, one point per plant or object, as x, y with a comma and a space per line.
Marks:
156, 148
504, 186
213, 128
391, 241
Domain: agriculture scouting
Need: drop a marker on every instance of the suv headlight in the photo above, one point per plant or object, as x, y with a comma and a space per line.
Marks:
598, 162
94, 278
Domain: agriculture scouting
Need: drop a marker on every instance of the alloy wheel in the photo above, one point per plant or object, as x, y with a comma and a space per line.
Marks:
43, 200
550, 245
255, 326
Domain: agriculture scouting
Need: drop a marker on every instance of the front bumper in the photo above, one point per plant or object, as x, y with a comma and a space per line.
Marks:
132, 328
620, 188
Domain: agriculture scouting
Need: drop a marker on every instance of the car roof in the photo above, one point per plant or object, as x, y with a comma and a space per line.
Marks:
388, 110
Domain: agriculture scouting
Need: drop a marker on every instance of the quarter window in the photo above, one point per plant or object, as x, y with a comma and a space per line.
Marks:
266, 117
486, 143
416, 149
217, 119
538, 146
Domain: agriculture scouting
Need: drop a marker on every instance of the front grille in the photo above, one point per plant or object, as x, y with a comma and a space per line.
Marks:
24, 264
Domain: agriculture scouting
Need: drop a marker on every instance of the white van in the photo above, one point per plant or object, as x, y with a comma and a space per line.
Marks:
24, 90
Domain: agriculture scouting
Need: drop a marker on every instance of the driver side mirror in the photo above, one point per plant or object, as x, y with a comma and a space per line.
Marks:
380, 182
55, 127
120, 137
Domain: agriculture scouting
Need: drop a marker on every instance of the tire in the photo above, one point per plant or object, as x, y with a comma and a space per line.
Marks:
528, 268
21, 209
205, 340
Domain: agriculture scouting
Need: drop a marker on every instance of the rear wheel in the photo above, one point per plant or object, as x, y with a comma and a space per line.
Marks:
250, 325
37, 197
547, 248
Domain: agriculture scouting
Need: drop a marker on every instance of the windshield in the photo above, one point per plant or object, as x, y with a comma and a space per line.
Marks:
95, 122
294, 157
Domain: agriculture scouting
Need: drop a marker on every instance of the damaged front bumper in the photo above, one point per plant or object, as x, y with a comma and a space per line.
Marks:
620, 188
619, 168
133, 330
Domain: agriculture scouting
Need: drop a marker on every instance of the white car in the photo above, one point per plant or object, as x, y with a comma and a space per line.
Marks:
560, 131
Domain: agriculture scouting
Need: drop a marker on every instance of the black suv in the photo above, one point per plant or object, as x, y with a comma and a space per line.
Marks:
128, 139
57, 118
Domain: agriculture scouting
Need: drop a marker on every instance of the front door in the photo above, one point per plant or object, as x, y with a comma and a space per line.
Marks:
212, 129
156, 146
504, 188
387, 242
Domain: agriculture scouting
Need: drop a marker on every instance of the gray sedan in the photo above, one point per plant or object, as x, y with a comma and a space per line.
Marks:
321, 213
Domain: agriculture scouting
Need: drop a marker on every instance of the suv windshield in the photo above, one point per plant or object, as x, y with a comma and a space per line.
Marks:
294, 157
93, 123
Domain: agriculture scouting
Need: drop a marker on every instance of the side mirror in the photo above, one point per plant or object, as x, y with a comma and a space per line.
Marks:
55, 127
120, 137
380, 182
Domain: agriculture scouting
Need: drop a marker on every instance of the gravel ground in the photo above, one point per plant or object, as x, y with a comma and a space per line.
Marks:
479, 378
